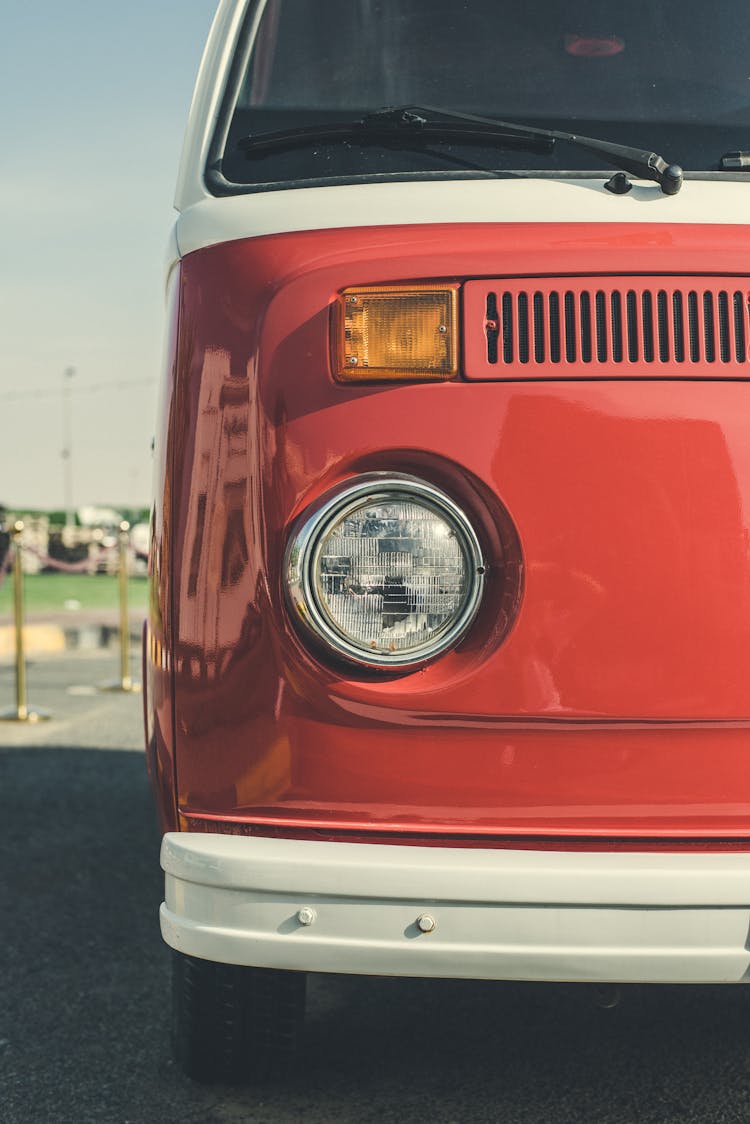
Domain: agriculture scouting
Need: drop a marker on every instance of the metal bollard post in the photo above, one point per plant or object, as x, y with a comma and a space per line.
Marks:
21, 712
125, 682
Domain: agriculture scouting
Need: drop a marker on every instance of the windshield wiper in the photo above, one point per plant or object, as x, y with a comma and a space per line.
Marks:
394, 128
409, 125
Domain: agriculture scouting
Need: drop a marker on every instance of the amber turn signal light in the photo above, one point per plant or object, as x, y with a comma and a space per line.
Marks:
396, 332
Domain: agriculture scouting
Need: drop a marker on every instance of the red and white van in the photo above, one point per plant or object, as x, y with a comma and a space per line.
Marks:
448, 658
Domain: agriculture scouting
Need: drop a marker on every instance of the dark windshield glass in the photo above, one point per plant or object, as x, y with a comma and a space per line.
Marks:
672, 75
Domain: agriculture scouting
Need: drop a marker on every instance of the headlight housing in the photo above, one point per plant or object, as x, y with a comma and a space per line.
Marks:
388, 572
396, 332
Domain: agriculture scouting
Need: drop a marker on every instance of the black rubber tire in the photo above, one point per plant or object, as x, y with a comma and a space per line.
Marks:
234, 1024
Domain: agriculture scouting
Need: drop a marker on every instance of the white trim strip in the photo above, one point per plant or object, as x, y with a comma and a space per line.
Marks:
207, 95
477, 201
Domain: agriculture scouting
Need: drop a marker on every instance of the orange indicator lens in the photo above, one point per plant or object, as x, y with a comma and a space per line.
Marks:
397, 332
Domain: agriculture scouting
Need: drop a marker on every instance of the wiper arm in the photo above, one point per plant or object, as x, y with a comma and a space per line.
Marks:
638, 161
402, 125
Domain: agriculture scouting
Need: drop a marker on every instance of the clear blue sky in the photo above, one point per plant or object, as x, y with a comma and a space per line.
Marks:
95, 97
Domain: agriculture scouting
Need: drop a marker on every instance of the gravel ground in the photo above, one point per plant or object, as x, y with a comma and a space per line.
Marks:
84, 1014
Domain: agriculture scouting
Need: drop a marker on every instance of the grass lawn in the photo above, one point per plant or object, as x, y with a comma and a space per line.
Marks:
47, 593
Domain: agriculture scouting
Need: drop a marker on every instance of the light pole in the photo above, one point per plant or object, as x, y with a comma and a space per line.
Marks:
67, 449
21, 712
125, 682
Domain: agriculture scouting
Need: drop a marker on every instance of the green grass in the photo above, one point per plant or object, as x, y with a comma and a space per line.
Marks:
47, 593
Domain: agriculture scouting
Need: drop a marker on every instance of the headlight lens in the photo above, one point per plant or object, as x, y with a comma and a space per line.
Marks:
388, 573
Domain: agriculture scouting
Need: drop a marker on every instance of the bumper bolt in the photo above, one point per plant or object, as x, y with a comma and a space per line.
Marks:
426, 922
306, 916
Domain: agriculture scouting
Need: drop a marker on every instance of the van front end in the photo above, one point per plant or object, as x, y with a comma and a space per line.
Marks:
448, 650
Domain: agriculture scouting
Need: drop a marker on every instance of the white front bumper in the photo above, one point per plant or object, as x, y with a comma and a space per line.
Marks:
498, 914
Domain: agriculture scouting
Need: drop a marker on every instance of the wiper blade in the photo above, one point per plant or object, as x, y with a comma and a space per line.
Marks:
394, 128
404, 124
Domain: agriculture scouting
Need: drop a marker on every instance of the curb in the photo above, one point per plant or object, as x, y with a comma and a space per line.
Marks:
37, 638
45, 638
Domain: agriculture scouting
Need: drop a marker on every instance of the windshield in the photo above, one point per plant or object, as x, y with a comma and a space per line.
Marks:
672, 76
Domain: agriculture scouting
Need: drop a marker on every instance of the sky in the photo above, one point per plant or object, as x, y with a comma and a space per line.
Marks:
95, 97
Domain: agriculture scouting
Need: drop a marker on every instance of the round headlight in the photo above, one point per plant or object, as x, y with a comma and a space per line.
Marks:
388, 572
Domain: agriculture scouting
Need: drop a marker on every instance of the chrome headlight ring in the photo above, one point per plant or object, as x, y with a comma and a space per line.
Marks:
308, 572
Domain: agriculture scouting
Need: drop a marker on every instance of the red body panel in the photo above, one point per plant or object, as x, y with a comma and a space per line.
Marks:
616, 706
158, 638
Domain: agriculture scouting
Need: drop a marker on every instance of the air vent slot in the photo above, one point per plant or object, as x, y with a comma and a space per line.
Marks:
647, 327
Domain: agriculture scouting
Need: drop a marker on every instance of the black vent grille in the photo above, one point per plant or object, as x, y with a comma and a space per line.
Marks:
588, 324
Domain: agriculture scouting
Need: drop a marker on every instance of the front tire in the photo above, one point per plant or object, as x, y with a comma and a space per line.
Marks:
231, 1023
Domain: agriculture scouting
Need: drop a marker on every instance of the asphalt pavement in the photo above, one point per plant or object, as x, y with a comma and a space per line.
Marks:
84, 1013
